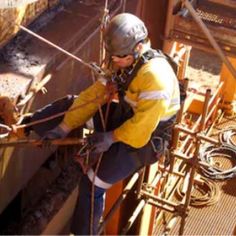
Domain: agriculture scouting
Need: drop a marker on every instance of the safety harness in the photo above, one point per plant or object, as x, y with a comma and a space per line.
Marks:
161, 137
124, 79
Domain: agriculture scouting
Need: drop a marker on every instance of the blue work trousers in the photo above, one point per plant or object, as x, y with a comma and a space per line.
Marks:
119, 162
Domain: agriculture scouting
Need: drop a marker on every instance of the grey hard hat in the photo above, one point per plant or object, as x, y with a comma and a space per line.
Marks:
122, 34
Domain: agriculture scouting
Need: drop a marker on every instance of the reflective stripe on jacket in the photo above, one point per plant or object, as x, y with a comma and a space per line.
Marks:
154, 96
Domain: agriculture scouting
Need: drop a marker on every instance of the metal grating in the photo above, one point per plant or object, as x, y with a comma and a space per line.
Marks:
219, 219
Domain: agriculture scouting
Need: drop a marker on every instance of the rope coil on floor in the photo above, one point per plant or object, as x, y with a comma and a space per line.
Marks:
226, 137
208, 193
209, 152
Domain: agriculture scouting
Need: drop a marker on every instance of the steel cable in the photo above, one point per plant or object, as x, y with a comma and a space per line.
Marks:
226, 137
207, 193
209, 152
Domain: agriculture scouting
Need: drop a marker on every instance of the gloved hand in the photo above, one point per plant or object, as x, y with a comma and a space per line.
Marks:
55, 133
101, 142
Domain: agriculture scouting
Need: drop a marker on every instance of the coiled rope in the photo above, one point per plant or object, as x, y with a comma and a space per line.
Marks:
226, 137
209, 152
207, 193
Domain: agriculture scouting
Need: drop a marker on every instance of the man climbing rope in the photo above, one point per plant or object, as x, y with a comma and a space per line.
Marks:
139, 119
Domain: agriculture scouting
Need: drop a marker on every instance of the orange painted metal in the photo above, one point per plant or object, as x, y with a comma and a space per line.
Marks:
154, 18
229, 90
112, 228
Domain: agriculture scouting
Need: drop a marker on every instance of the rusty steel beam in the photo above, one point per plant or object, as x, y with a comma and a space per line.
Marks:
168, 24
154, 19
36, 142
219, 17
200, 43
209, 36
217, 92
213, 109
228, 3
208, 139
181, 111
217, 14
158, 199
193, 130
205, 109
160, 206
192, 160
189, 188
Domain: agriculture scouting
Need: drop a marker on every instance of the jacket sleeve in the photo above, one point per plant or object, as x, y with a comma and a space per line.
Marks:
152, 104
85, 105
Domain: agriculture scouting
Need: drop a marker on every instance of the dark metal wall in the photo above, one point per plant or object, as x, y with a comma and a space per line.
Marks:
76, 29
154, 15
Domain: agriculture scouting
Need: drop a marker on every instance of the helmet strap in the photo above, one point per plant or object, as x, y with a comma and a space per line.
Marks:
137, 51
136, 55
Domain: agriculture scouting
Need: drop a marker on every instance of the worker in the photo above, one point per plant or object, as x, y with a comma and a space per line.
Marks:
140, 118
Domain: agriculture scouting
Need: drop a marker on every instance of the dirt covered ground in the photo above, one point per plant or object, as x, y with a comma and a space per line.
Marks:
203, 70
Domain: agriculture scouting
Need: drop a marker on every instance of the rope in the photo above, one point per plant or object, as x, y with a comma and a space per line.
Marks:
104, 21
91, 66
4, 131
226, 137
124, 6
209, 152
208, 193
15, 127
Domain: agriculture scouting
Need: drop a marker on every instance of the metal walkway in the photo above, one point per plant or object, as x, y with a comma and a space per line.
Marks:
218, 219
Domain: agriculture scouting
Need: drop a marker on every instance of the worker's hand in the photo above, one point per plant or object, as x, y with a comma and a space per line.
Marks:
58, 132
101, 142
55, 133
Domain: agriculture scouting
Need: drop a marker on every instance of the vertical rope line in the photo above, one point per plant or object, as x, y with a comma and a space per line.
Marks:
102, 28
101, 60
124, 6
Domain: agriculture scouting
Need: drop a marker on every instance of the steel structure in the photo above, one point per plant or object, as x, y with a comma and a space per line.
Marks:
179, 23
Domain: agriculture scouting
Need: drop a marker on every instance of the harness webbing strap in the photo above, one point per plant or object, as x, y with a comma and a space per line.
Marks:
145, 57
148, 55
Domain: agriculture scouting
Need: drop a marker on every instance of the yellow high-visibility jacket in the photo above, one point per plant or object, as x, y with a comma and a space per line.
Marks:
153, 94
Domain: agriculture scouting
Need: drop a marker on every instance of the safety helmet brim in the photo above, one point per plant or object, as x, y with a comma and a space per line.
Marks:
123, 33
